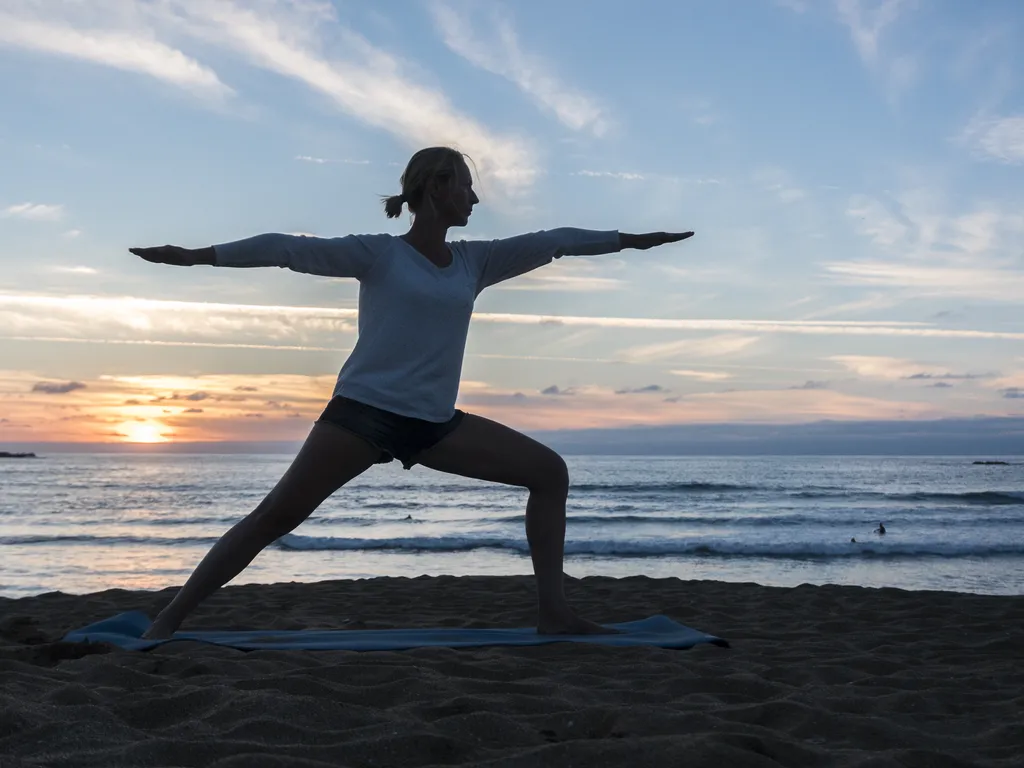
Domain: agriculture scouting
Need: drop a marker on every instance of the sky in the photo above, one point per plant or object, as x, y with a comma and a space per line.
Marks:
853, 170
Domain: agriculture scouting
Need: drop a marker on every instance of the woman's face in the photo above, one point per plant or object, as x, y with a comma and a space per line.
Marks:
457, 198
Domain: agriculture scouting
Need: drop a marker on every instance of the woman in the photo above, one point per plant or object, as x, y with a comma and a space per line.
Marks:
395, 396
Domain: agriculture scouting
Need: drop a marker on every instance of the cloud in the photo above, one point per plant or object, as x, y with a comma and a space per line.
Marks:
56, 387
554, 390
977, 282
650, 388
702, 375
495, 48
875, 221
866, 26
941, 385
63, 30
74, 270
949, 376
577, 275
896, 368
193, 397
298, 39
999, 138
594, 407
130, 320
34, 211
712, 346
193, 410
1013, 393
325, 161
809, 384
367, 83
612, 175
778, 183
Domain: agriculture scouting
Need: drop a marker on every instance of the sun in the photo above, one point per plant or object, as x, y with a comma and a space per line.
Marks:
142, 432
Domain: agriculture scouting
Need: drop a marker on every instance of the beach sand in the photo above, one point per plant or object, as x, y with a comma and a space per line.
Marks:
816, 676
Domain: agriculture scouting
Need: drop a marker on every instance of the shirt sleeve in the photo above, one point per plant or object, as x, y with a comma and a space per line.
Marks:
349, 256
504, 259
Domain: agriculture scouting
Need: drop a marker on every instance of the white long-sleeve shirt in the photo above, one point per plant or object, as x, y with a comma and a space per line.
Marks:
413, 315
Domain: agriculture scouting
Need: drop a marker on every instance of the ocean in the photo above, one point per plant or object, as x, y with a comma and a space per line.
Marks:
82, 523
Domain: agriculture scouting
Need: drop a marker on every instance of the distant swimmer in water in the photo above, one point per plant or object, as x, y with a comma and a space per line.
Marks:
853, 541
880, 530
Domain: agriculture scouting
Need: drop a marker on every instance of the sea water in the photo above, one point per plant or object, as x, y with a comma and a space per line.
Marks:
81, 523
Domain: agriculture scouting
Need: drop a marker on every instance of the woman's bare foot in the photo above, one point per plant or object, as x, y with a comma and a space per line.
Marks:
159, 630
568, 623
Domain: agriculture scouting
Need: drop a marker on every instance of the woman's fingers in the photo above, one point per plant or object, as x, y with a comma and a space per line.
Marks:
653, 239
163, 254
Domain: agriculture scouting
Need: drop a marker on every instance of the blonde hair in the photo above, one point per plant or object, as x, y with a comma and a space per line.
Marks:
429, 163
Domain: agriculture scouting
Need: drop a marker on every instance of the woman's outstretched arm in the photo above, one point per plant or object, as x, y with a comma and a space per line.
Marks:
504, 259
350, 256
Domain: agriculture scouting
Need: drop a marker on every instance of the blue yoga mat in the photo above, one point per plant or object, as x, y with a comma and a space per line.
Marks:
125, 631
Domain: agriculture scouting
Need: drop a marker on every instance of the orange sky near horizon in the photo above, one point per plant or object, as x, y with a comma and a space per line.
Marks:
210, 408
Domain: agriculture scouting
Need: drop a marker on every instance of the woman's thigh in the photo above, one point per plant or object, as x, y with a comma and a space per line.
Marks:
486, 450
329, 458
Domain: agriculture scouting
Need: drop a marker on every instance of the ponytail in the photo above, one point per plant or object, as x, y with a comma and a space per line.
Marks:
393, 206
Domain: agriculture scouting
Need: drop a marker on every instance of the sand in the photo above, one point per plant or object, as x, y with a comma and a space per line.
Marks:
816, 676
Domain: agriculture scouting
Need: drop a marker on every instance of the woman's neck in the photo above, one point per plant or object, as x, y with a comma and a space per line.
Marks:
429, 238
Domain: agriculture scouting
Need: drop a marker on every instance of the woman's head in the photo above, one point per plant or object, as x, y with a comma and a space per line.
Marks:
436, 183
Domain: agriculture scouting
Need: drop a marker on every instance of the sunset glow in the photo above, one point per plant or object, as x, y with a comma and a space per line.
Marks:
142, 432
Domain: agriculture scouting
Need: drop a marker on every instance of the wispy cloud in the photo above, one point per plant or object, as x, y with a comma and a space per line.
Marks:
778, 183
867, 21
124, 317
74, 270
327, 161
650, 389
622, 175
714, 346
34, 211
866, 25
998, 138
297, 39
83, 31
495, 47
555, 282
701, 375
593, 407
951, 281
934, 250
896, 368
368, 83
577, 276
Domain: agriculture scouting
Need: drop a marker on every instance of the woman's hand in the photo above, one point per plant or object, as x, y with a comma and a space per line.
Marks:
651, 239
175, 255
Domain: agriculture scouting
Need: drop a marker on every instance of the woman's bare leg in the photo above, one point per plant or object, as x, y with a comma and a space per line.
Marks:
486, 450
329, 458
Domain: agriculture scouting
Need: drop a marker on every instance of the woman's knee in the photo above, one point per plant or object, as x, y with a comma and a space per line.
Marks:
551, 476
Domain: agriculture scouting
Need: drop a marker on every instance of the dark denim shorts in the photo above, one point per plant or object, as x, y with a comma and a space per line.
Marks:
398, 437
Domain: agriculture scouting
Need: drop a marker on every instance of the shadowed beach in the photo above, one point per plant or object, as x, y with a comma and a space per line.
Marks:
816, 676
